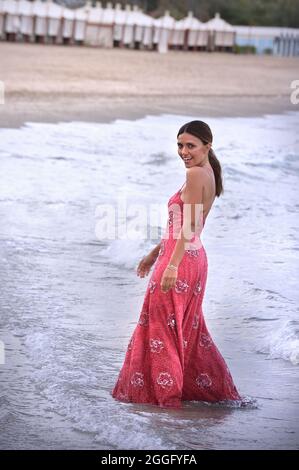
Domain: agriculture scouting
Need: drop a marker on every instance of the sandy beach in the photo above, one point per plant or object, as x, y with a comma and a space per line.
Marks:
46, 83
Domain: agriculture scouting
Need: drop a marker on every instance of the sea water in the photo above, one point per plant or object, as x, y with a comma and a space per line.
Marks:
70, 297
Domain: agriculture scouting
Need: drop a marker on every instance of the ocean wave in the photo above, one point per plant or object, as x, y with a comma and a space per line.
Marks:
283, 343
127, 252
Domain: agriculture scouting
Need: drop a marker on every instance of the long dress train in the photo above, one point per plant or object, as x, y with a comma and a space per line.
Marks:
171, 356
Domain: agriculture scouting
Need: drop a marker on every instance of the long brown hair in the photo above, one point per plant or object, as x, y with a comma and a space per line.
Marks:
202, 131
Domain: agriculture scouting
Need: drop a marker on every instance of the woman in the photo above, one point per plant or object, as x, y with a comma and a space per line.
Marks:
171, 356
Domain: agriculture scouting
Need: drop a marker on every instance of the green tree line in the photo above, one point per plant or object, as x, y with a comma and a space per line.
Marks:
236, 12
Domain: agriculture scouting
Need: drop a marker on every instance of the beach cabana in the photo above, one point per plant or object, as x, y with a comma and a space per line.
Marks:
11, 19
191, 27
163, 28
177, 36
80, 24
105, 38
143, 33
1, 19
40, 13
26, 19
128, 39
222, 34
68, 22
202, 40
54, 16
120, 17
92, 28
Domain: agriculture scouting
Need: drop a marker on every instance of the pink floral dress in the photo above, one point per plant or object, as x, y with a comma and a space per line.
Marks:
171, 356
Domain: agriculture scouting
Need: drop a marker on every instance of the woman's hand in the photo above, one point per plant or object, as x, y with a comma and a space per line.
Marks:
168, 280
145, 265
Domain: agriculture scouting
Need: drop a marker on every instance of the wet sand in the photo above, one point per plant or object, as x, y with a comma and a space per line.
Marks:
45, 83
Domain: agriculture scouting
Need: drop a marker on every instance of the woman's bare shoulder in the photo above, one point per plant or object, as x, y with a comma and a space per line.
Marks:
196, 174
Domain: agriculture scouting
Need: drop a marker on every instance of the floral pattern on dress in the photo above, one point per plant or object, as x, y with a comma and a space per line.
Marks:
156, 345
193, 253
137, 379
204, 380
195, 322
123, 397
171, 320
143, 320
171, 333
152, 286
197, 288
165, 380
181, 286
205, 341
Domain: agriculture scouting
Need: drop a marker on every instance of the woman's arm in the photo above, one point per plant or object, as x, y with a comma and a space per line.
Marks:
155, 251
147, 262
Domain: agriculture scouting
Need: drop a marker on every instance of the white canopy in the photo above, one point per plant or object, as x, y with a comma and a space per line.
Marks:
54, 11
94, 15
25, 7
190, 22
218, 24
143, 20
166, 21
81, 14
40, 9
108, 15
120, 16
10, 6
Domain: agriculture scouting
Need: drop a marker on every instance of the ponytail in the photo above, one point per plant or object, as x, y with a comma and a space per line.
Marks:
215, 164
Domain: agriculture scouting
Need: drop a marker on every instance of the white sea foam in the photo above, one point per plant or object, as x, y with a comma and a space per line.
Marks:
283, 342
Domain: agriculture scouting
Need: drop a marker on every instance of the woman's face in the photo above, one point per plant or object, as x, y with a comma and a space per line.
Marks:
192, 150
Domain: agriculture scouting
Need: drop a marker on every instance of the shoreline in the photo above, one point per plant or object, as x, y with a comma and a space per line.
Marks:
45, 83
104, 110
